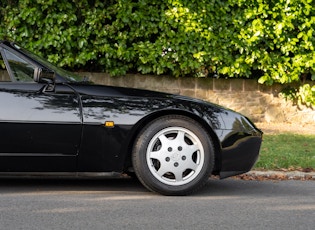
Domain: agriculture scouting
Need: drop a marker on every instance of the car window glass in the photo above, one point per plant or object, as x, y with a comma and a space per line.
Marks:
4, 75
59, 71
23, 71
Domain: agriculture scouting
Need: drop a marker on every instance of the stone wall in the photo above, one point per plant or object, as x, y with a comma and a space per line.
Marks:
4, 76
259, 102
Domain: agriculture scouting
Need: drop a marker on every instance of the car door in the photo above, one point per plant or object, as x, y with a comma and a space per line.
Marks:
40, 124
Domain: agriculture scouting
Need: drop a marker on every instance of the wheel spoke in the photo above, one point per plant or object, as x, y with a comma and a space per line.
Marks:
162, 170
190, 164
164, 140
158, 155
178, 175
180, 138
189, 150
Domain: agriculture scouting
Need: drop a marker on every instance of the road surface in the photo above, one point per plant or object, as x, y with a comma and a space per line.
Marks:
124, 204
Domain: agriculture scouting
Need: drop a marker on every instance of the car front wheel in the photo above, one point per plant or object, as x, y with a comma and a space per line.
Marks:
173, 155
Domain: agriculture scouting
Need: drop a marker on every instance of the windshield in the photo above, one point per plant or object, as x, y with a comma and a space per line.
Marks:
67, 75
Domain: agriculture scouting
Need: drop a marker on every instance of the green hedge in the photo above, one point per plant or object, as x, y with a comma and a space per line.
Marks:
272, 40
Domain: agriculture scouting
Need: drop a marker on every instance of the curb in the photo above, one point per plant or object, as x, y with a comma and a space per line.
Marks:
278, 175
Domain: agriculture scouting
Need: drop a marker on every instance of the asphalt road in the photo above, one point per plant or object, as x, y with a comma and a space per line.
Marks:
125, 204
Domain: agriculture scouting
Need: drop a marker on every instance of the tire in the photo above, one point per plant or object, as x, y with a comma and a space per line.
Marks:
173, 155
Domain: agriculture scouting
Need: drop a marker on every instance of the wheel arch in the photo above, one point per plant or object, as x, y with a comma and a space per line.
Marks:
147, 119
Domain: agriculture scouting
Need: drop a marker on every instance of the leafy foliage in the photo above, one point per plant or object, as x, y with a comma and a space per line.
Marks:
306, 94
235, 38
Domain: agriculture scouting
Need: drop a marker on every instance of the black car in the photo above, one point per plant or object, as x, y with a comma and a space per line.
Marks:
53, 122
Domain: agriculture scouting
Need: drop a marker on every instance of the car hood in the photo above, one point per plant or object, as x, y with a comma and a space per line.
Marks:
94, 90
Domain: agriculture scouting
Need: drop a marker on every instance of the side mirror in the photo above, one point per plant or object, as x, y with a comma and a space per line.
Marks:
44, 76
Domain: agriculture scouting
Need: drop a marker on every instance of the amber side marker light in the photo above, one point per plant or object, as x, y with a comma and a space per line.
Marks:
109, 124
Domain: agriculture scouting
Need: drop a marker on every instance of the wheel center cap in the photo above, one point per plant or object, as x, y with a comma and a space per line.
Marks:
175, 156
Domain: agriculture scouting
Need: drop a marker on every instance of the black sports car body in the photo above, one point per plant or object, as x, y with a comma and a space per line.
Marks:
51, 123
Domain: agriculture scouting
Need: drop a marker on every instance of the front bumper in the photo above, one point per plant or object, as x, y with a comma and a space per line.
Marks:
240, 157
240, 145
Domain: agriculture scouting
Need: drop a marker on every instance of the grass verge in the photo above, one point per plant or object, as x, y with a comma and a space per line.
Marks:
287, 152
